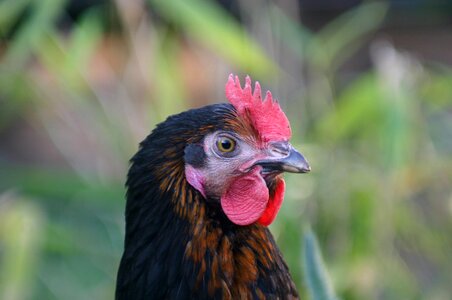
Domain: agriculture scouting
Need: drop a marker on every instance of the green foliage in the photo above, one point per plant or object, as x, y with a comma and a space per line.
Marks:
338, 40
379, 196
208, 24
317, 279
21, 231
29, 36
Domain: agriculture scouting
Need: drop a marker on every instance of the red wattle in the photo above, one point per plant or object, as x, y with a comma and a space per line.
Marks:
274, 204
246, 199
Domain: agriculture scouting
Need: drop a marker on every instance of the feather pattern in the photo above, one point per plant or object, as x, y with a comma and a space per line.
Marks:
179, 245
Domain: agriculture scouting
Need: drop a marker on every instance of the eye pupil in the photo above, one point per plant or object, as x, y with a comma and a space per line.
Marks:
225, 144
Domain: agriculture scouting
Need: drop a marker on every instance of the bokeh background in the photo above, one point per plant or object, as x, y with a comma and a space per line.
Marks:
367, 87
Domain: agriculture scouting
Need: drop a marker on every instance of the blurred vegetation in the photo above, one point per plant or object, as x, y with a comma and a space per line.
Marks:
318, 282
78, 99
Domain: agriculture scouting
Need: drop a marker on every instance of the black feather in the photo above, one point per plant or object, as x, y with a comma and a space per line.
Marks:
160, 228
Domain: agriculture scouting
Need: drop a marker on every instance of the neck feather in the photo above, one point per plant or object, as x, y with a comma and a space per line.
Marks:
180, 245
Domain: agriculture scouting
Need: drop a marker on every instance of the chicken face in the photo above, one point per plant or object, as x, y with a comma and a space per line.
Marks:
245, 178
242, 167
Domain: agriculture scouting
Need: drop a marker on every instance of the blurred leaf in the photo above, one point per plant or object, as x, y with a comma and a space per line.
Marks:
398, 76
57, 185
362, 221
357, 106
208, 23
440, 128
29, 36
85, 37
436, 90
10, 11
21, 224
169, 88
292, 33
68, 60
15, 94
396, 132
317, 278
339, 39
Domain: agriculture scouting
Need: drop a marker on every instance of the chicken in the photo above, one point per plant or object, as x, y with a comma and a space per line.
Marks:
202, 189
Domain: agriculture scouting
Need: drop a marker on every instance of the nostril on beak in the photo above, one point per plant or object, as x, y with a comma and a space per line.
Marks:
294, 162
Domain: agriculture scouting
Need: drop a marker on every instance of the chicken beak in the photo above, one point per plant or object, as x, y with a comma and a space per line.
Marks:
291, 161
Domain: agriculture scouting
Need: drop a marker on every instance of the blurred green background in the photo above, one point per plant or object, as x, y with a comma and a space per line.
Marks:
367, 87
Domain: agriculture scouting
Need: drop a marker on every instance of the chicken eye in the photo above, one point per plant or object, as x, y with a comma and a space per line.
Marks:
226, 144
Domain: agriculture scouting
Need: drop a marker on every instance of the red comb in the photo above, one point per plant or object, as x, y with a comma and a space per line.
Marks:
267, 116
